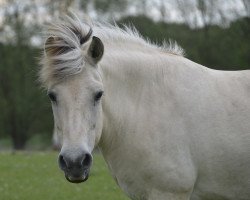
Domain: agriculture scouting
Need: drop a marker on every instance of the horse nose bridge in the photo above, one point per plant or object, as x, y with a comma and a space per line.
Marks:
73, 116
75, 135
74, 127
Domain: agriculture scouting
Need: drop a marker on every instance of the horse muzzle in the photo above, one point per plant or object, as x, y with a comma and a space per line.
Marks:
76, 168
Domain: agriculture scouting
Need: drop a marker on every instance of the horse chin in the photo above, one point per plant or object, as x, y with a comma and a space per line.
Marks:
77, 179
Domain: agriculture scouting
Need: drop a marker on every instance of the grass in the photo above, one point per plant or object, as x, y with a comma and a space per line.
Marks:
36, 176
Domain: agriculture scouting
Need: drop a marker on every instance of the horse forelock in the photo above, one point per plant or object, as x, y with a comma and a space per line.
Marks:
62, 55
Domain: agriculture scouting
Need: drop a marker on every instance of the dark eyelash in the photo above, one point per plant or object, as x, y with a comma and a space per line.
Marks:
98, 96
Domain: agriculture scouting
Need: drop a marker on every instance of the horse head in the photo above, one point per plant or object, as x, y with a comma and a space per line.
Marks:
71, 76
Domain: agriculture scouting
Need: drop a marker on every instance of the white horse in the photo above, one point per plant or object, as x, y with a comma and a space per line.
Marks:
167, 127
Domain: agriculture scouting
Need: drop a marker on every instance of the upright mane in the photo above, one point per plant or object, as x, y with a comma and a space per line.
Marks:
115, 33
65, 39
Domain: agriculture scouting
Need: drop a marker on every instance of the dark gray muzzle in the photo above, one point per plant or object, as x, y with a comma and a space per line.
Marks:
76, 168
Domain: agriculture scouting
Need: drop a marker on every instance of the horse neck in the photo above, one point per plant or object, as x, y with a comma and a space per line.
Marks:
127, 76
137, 79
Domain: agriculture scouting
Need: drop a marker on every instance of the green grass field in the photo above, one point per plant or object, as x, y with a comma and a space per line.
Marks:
36, 176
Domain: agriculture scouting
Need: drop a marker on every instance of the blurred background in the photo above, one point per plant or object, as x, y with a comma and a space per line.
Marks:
214, 33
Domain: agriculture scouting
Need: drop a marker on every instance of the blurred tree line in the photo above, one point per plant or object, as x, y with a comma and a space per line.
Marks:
218, 48
208, 37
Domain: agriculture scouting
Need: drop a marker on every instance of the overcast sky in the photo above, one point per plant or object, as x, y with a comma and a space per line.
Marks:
39, 13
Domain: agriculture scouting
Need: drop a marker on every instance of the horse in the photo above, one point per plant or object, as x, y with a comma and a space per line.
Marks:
168, 128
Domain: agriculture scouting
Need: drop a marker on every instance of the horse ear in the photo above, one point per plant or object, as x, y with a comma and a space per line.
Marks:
96, 49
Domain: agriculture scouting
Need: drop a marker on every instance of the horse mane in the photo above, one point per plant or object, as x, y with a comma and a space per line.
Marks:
65, 39
129, 33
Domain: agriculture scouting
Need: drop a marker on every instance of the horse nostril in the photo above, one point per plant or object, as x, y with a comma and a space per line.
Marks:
86, 162
62, 162
74, 163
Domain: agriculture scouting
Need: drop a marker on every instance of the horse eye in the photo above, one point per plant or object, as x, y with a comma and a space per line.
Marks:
52, 96
98, 95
